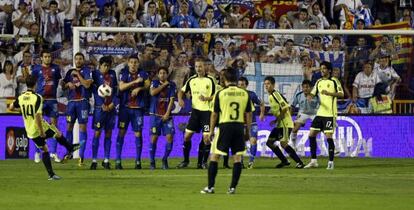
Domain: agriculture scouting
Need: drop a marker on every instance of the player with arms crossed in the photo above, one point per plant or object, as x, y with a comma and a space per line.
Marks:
328, 89
104, 112
48, 75
78, 81
279, 107
232, 109
243, 83
37, 128
163, 93
133, 83
307, 110
202, 88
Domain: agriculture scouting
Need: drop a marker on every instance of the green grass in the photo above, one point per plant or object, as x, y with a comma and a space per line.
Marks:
354, 184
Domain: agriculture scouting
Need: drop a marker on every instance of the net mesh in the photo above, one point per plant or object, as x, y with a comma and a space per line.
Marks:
289, 58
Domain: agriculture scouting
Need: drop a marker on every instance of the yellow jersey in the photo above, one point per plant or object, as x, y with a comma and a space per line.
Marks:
30, 104
232, 103
277, 104
200, 86
328, 104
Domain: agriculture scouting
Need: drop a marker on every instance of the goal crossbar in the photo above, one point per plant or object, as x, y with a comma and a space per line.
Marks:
78, 30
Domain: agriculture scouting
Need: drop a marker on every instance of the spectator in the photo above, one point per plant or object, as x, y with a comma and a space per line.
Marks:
164, 40
65, 58
250, 53
283, 24
133, 4
271, 45
184, 20
363, 86
387, 74
53, 22
307, 66
83, 18
108, 19
271, 57
95, 38
24, 69
147, 62
175, 7
407, 15
232, 15
179, 70
200, 7
163, 60
266, 21
358, 56
9, 55
288, 54
211, 21
380, 103
219, 56
300, 20
209, 67
38, 39
151, 19
8, 83
385, 10
384, 47
315, 10
22, 19
336, 72
6, 12
188, 47
128, 19
346, 6
233, 49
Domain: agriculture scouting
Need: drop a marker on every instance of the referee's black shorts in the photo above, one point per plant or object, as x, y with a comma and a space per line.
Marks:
199, 120
229, 136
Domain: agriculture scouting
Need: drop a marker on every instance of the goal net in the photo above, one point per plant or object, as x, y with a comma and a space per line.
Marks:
289, 55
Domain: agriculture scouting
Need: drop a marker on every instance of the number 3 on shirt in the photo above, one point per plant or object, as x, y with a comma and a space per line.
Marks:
235, 106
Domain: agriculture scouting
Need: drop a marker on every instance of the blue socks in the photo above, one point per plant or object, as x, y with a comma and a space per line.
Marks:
107, 147
253, 151
82, 141
95, 146
168, 148
69, 136
138, 144
119, 144
152, 149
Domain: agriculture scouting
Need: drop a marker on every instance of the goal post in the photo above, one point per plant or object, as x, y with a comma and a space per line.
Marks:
264, 67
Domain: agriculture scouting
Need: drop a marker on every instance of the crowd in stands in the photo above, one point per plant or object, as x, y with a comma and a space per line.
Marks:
40, 24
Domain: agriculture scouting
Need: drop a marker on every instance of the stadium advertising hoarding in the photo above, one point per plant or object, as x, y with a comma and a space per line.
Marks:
356, 136
16, 143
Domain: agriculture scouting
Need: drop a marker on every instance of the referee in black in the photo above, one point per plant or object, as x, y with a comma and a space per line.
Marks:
232, 109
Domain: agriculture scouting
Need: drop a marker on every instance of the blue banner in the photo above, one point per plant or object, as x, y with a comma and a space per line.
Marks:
246, 4
111, 50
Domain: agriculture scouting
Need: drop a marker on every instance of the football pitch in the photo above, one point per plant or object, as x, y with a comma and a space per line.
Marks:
356, 183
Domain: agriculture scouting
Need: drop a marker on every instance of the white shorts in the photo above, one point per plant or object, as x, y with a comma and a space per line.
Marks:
301, 118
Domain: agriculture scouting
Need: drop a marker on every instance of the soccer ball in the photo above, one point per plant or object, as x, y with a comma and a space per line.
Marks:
104, 90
